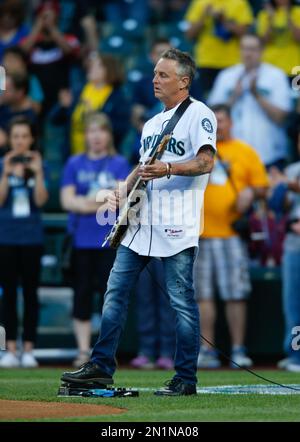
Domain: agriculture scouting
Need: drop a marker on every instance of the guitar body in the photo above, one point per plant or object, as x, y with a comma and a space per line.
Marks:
122, 223
117, 235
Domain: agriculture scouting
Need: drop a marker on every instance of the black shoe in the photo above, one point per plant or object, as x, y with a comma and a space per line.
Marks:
176, 387
88, 372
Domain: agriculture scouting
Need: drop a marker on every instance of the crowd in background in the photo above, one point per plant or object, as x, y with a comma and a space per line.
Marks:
82, 70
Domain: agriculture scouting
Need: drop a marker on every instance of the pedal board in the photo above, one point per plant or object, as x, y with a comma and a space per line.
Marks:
94, 390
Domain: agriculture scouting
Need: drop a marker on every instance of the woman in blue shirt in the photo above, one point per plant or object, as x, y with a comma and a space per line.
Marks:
22, 193
99, 169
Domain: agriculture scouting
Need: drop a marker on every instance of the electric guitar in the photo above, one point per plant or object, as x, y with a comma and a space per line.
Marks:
116, 234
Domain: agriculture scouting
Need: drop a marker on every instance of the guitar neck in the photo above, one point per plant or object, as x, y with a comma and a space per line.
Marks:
138, 185
140, 182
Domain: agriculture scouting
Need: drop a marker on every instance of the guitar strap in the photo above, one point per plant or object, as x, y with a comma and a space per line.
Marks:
171, 124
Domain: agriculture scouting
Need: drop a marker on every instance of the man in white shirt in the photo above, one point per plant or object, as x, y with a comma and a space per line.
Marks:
175, 186
260, 98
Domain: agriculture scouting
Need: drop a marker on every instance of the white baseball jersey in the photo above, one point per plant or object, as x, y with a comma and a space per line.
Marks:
170, 212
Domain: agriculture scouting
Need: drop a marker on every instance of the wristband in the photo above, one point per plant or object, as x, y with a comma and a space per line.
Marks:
168, 170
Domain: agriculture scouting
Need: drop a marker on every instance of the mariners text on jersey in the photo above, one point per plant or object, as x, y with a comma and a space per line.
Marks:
195, 129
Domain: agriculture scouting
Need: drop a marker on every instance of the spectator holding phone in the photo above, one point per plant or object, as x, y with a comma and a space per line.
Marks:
22, 193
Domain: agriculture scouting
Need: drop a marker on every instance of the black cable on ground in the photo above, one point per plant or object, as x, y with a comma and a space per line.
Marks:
222, 353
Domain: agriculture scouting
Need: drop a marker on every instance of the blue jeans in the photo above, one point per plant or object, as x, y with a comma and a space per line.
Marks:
291, 300
155, 317
179, 281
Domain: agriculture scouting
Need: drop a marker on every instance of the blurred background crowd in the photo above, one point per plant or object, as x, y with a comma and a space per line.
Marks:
78, 89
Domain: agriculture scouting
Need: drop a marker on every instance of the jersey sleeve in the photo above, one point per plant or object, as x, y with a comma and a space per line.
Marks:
203, 129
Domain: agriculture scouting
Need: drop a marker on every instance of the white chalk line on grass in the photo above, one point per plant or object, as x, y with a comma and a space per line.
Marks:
225, 390
243, 389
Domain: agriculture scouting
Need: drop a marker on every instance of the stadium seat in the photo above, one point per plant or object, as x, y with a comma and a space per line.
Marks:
130, 29
116, 44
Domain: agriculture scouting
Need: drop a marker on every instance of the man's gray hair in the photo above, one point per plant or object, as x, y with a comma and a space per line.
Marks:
186, 64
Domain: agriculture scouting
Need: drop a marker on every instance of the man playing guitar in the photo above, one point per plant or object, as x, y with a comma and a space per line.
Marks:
168, 227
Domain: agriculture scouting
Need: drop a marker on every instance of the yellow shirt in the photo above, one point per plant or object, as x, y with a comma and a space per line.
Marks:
246, 169
283, 51
212, 51
91, 99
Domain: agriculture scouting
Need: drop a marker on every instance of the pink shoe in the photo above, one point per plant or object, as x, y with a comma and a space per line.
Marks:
142, 362
165, 363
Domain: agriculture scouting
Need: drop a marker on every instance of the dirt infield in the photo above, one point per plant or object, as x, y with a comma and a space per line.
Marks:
11, 410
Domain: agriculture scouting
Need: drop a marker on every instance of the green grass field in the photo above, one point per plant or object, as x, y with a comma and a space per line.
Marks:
42, 385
